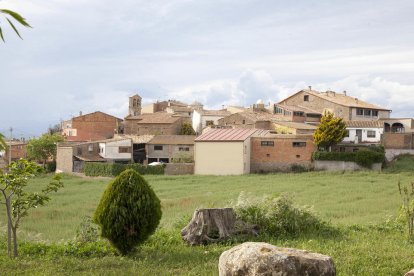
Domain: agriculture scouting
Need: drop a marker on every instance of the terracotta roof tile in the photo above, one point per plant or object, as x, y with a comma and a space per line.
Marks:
173, 140
364, 124
154, 118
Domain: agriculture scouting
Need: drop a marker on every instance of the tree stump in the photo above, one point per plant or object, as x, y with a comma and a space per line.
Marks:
212, 225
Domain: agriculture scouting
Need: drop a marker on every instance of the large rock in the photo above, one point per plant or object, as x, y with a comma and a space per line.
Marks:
410, 273
258, 258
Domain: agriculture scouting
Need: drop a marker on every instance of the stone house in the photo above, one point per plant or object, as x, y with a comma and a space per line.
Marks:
296, 113
205, 118
342, 105
161, 106
160, 123
71, 156
91, 127
248, 119
164, 148
274, 153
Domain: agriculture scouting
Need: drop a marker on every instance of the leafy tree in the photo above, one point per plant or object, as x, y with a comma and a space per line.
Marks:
17, 200
44, 147
187, 129
3, 145
330, 131
17, 17
129, 211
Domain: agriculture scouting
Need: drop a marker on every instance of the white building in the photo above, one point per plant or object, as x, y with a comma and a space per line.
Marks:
204, 118
364, 132
116, 150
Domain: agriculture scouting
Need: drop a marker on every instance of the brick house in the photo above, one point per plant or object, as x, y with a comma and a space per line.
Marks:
18, 150
160, 123
91, 127
280, 152
163, 148
342, 105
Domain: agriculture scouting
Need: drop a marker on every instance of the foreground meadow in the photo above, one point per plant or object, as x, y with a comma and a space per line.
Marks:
361, 205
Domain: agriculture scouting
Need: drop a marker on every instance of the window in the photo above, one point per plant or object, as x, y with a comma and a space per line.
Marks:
298, 113
346, 133
90, 148
157, 147
210, 123
278, 110
341, 149
299, 144
306, 98
359, 112
79, 151
184, 149
375, 113
267, 143
244, 122
124, 149
371, 134
367, 112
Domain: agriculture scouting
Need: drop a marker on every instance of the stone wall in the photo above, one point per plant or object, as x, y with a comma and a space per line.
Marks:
321, 165
64, 159
391, 154
179, 168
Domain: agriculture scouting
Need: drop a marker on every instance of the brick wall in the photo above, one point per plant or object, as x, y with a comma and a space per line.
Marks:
398, 140
17, 151
94, 126
282, 155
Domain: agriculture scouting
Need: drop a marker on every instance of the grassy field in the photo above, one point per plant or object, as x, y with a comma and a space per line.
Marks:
357, 203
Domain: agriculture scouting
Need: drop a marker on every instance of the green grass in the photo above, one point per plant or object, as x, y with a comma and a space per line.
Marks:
403, 163
345, 199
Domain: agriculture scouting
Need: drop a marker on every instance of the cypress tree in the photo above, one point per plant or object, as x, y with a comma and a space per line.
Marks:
129, 211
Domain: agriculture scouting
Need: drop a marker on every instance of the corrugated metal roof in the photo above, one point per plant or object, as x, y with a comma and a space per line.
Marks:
235, 134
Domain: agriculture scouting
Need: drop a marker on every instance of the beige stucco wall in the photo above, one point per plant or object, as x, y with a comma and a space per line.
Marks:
64, 159
222, 158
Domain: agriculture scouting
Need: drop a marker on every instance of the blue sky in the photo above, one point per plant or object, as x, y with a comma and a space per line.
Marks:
88, 55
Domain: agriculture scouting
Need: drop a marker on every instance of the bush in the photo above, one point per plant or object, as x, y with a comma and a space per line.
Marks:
129, 211
114, 169
297, 168
364, 158
87, 231
279, 216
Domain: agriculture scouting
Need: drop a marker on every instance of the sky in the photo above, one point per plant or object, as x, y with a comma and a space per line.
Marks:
89, 55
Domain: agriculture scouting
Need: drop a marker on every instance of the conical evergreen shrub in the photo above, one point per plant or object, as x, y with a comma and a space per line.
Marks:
129, 211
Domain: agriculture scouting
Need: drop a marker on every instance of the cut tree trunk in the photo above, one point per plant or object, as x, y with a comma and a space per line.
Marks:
213, 225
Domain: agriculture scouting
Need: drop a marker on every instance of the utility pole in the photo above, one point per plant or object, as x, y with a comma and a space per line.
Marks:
10, 144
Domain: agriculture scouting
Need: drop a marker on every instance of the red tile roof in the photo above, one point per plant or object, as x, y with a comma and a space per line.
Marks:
234, 134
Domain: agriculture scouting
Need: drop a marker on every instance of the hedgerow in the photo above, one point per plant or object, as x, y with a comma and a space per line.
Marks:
114, 169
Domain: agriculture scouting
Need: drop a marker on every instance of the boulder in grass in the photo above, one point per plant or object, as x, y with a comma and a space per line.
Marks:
257, 258
410, 273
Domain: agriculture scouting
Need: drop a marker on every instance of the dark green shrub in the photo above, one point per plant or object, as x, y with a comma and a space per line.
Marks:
363, 158
51, 166
297, 168
279, 216
114, 169
129, 211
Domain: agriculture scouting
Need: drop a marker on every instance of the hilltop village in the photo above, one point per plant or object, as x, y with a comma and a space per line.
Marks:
233, 140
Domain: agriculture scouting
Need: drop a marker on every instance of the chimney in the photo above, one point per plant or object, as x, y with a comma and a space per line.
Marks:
345, 92
80, 113
310, 88
356, 100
